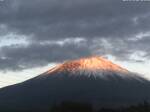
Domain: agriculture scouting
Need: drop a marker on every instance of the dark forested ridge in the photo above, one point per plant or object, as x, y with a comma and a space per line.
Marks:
85, 107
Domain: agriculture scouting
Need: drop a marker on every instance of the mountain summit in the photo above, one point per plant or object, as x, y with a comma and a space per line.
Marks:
94, 63
93, 66
94, 80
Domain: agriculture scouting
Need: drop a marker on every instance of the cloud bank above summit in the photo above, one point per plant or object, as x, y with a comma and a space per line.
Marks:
55, 30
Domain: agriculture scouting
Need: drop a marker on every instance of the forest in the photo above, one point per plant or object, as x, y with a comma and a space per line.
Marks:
68, 106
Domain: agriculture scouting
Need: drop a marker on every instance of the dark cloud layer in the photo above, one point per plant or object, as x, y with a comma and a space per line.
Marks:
51, 19
113, 22
22, 57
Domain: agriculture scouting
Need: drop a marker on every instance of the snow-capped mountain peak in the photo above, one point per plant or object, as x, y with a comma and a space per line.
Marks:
94, 65
93, 79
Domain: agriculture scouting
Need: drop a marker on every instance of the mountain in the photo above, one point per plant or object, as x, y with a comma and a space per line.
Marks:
93, 79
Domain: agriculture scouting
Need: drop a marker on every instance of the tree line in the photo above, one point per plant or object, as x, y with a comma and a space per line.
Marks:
68, 106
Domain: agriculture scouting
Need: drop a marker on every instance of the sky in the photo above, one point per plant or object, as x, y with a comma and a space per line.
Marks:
35, 35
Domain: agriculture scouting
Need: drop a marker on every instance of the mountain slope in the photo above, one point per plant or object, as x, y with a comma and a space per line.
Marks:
93, 79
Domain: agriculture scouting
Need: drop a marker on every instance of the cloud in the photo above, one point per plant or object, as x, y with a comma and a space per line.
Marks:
107, 27
18, 57
53, 19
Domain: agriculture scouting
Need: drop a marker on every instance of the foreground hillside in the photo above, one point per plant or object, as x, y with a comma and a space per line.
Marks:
85, 107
